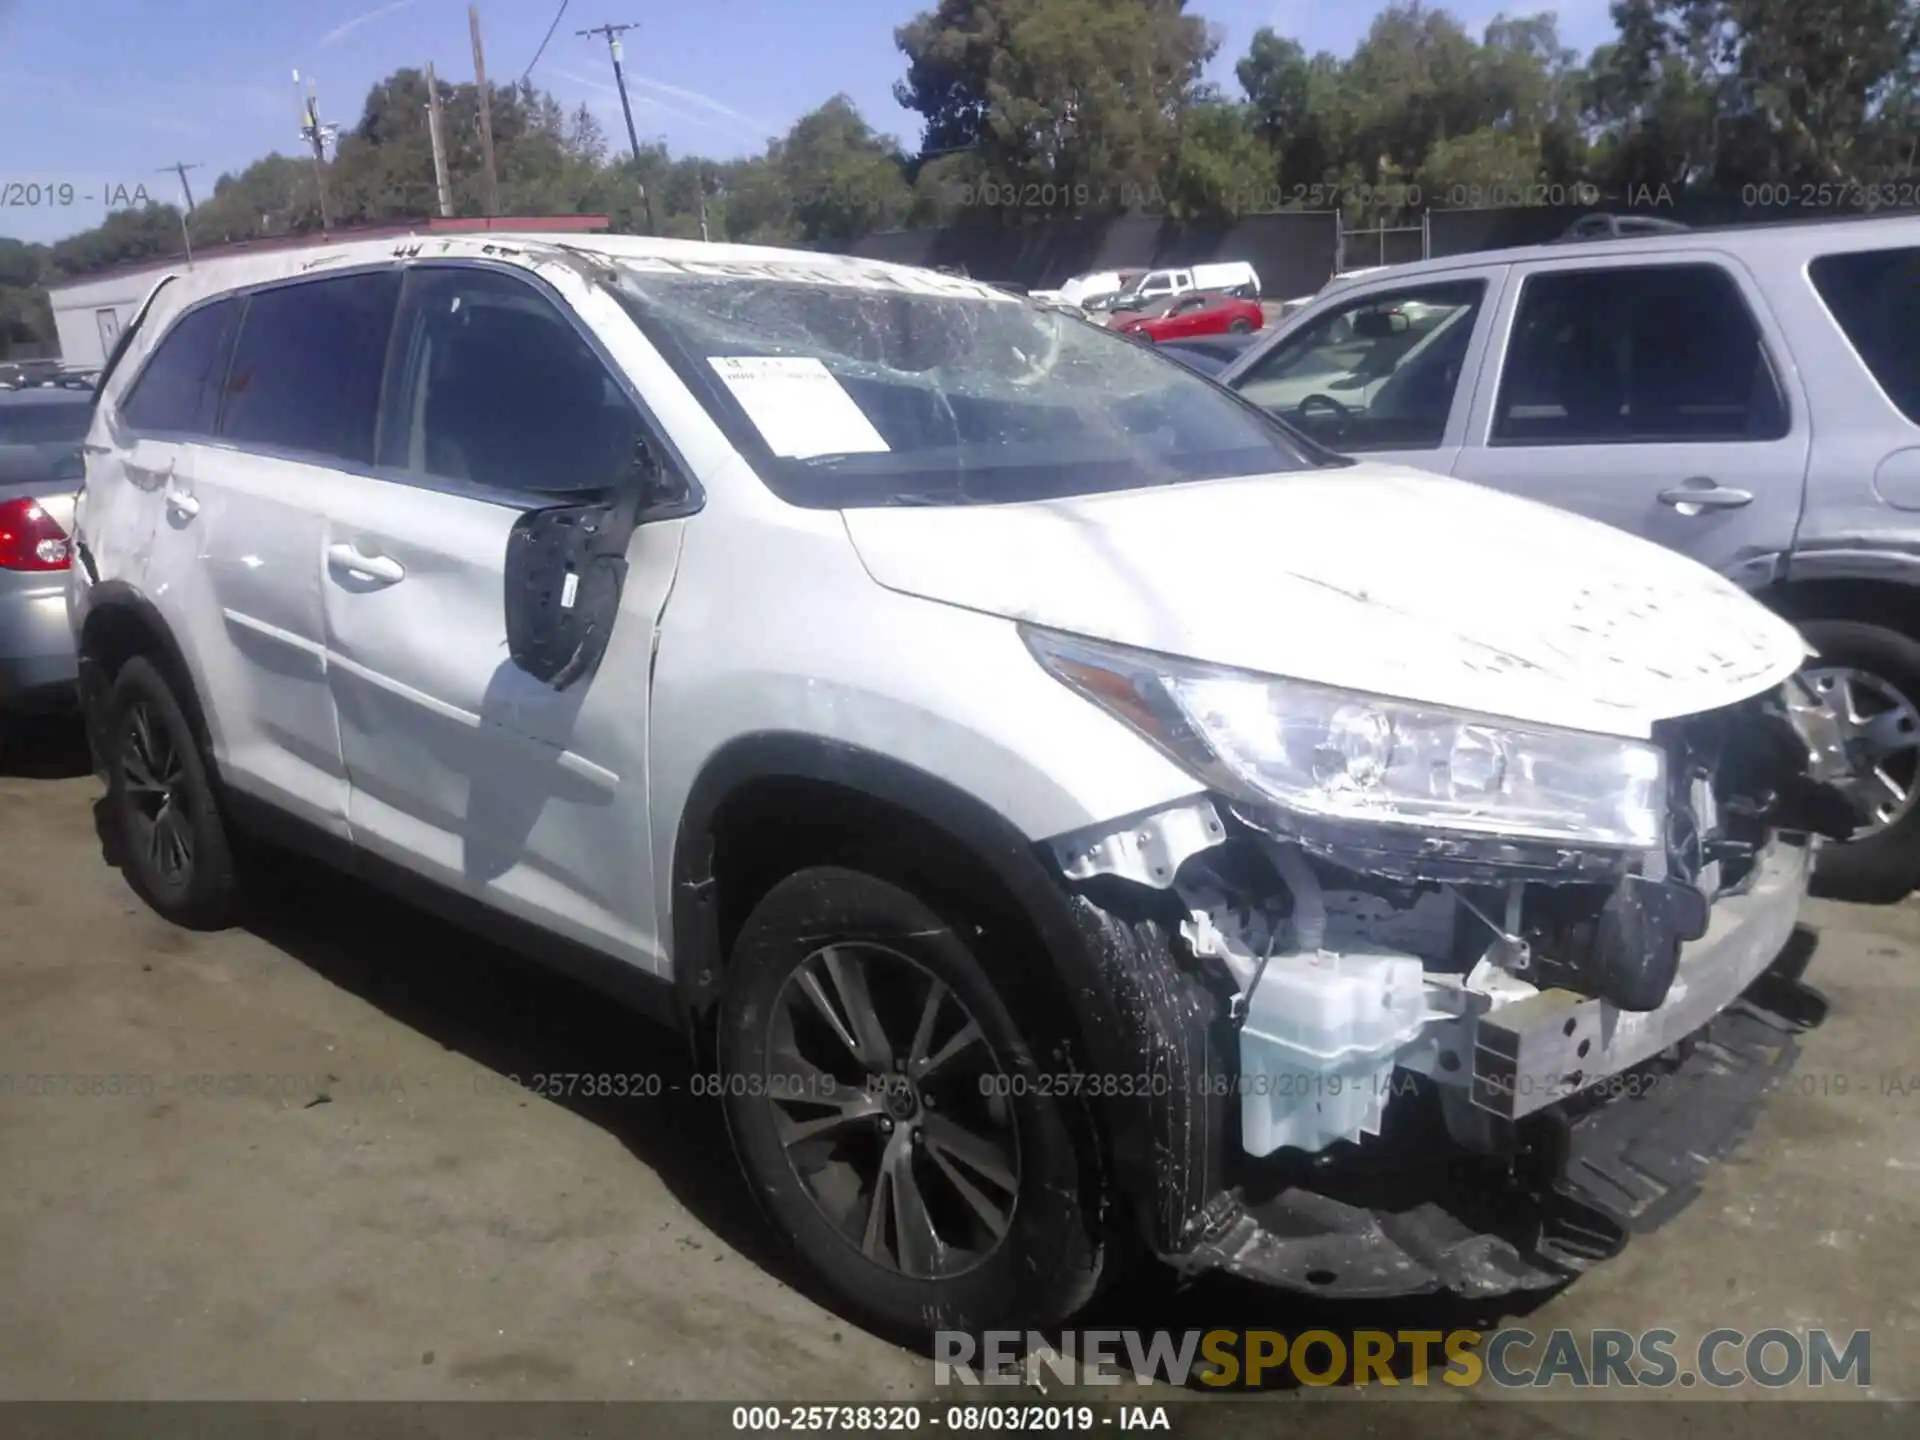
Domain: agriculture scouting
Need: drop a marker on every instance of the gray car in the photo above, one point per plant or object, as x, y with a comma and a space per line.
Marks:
1750, 397
40, 469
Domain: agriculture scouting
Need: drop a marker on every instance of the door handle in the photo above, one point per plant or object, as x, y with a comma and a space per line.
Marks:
180, 502
369, 567
1700, 494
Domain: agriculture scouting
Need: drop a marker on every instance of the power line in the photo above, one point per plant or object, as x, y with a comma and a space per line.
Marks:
543, 43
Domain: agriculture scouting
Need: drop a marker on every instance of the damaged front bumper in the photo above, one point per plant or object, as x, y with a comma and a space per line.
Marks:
1535, 1051
1426, 1074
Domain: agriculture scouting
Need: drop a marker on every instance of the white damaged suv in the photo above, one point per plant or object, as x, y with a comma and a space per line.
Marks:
1075, 814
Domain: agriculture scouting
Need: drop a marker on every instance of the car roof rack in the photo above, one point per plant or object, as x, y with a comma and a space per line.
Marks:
1607, 226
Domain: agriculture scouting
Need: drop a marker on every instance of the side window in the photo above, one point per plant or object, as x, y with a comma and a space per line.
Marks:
306, 369
492, 384
1378, 373
1648, 354
1874, 295
178, 389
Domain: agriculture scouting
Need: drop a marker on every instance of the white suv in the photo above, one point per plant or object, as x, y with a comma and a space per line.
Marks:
1072, 812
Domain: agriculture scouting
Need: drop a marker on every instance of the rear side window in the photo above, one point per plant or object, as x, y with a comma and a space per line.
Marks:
1640, 355
306, 369
491, 384
1874, 295
178, 390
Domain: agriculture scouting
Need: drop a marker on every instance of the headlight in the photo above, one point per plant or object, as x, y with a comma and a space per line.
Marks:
1340, 755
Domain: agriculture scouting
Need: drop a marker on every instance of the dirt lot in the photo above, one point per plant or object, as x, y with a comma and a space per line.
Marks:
380, 1216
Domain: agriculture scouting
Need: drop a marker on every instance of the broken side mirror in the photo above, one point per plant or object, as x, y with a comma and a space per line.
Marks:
566, 566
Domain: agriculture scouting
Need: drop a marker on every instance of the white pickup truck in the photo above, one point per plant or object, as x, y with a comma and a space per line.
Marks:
1158, 284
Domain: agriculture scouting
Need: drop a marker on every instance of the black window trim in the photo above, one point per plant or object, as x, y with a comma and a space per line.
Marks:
1725, 264
656, 434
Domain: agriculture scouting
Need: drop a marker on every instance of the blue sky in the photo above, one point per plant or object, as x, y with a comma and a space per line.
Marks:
104, 93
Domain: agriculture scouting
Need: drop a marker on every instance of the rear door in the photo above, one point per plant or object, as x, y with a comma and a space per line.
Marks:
297, 413
499, 401
1651, 395
1384, 369
124, 458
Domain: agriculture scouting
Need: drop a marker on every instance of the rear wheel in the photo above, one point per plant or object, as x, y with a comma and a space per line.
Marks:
1241, 327
1867, 677
884, 1105
161, 806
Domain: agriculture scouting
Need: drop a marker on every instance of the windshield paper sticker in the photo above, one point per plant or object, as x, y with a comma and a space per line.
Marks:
797, 406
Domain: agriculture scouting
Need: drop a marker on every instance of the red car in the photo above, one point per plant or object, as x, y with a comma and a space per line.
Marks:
1197, 314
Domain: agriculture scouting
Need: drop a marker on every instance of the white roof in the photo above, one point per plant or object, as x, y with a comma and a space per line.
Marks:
532, 248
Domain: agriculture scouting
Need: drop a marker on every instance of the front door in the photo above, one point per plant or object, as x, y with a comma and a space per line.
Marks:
1651, 396
463, 766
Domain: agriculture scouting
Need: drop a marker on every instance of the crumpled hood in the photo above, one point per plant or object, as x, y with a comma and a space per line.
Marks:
1374, 577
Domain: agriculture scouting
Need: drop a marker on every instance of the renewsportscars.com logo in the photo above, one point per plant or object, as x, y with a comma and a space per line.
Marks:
1511, 1358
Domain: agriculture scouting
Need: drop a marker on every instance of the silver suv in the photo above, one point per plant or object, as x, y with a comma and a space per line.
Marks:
1750, 397
1070, 812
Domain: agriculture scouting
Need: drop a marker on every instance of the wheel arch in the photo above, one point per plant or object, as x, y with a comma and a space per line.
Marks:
1880, 596
761, 798
121, 623
1124, 1005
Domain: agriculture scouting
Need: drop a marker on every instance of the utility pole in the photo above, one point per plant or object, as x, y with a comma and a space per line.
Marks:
316, 135
180, 169
700, 189
444, 191
186, 236
613, 34
486, 111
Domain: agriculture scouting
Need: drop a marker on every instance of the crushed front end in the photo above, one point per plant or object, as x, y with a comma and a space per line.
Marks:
1370, 1057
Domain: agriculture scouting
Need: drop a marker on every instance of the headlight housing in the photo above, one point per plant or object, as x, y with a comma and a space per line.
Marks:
1340, 755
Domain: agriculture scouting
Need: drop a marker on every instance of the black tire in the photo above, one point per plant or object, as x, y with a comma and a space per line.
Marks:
1884, 867
1046, 1260
1241, 327
165, 817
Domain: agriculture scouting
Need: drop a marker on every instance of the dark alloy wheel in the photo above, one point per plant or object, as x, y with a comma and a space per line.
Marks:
161, 806
890, 1113
158, 804
899, 1125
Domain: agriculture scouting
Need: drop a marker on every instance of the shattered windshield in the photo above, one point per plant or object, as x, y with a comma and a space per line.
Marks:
849, 385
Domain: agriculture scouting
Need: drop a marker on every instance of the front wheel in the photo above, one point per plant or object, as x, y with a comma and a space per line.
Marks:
890, 1117
1241, 327
1867, 678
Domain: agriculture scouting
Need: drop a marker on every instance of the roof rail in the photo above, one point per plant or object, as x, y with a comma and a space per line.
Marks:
1602, 226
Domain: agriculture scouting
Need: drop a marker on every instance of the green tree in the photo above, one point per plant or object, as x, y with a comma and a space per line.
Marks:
1296, 102
843, 180
26, 319
1222, 167
1078, 100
